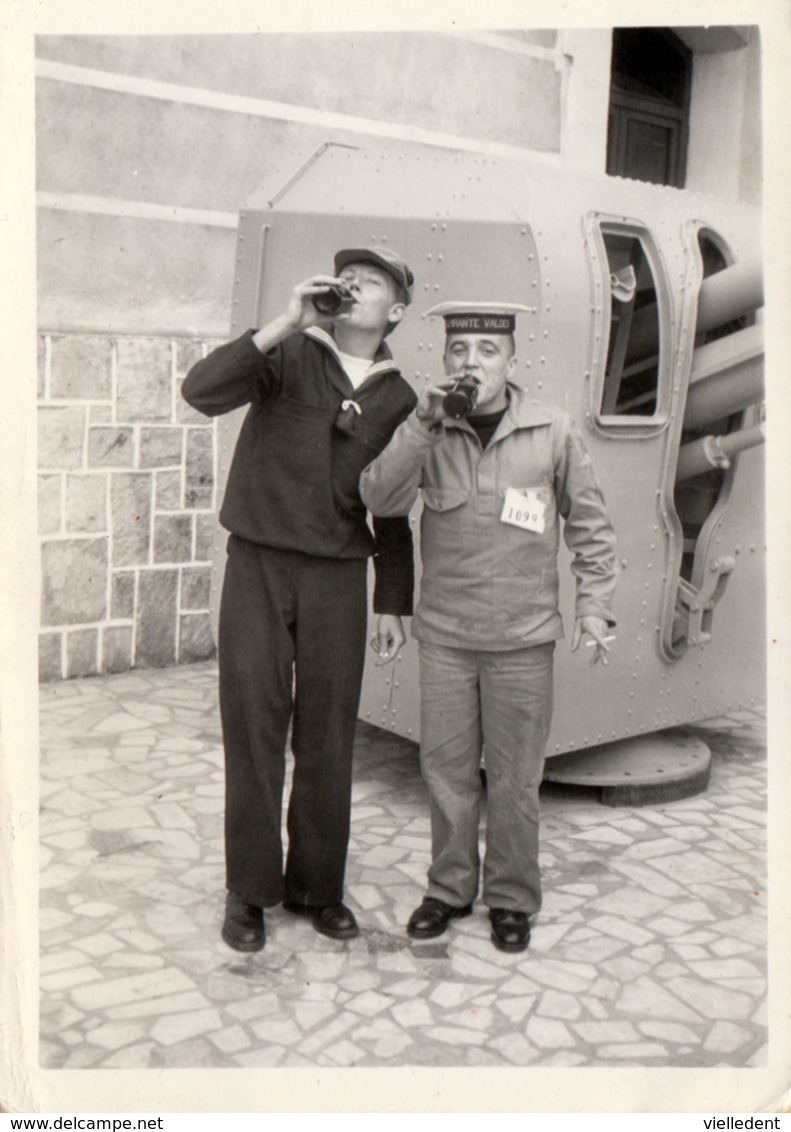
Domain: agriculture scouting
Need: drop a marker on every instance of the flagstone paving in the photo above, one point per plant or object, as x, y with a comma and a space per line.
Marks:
650, 948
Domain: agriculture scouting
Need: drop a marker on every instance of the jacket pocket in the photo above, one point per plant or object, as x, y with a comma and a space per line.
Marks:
445, 498
445, 528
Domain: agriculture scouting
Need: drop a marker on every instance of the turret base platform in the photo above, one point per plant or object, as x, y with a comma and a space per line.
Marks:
640, 771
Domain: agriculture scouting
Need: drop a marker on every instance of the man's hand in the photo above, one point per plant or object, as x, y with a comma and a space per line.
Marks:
429, 404
299, 314
300, 311
596, 629
388, 639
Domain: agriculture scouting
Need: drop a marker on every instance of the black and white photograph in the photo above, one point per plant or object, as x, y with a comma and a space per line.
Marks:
393, 673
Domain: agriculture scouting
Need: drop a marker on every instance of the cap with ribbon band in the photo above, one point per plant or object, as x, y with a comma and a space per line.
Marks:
479, 317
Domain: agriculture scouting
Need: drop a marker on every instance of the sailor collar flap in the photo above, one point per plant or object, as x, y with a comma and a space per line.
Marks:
383, 362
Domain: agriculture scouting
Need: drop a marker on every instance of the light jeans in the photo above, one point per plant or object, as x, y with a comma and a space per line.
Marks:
501, 702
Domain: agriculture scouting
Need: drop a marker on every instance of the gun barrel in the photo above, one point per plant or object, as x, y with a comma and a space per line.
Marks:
716, 451
727, 376
728, 294
736, 291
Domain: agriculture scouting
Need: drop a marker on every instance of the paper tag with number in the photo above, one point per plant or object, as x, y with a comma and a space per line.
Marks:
524, 509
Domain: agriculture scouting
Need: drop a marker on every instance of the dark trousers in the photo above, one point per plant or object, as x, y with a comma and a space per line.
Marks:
282, 614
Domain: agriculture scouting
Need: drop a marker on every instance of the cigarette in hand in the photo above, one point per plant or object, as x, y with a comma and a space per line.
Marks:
590, 644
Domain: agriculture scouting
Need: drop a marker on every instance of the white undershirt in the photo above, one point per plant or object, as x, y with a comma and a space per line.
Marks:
357, 369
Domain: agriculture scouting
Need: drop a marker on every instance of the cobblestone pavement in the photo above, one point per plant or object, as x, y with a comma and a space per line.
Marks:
650, 948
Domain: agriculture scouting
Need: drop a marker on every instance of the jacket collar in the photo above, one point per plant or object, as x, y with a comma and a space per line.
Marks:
521, 412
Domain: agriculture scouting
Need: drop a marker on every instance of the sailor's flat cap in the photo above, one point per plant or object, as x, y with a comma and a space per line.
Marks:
479, 317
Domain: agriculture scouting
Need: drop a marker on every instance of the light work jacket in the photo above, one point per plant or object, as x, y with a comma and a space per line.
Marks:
488, 584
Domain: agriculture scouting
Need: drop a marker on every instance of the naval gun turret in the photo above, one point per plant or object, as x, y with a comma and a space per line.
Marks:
647, 329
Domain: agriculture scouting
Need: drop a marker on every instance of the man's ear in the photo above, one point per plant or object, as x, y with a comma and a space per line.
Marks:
396, 312
511, 365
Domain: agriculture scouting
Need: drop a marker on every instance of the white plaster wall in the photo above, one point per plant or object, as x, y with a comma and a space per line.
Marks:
751, 182
725, 126
138, 136
586, 98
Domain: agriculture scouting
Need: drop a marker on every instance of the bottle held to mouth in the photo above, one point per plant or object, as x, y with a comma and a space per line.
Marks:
334, 300
461, 398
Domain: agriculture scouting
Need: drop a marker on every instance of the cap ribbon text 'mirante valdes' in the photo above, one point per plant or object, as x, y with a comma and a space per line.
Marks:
479, 323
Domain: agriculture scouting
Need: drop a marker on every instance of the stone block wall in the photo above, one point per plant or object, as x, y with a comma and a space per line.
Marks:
126, 515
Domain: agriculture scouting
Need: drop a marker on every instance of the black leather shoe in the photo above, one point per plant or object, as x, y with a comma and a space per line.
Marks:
432, 917
243, 929
510, 930
334, 920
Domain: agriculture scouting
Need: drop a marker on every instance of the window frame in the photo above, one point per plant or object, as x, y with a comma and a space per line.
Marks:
597, 226
621, 117
626, 106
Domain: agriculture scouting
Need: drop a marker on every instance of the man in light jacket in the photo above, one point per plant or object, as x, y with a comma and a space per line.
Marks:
495, 482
